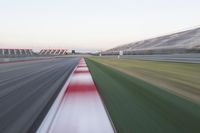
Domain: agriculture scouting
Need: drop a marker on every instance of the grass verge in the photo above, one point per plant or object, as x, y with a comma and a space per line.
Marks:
137, 106
178, 78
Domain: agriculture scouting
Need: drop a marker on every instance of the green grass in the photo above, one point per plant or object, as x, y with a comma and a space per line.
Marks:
136, 106
181, 78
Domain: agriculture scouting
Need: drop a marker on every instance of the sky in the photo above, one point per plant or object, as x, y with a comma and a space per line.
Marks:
91, 24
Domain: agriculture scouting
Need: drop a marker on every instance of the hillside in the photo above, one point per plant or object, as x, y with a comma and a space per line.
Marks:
186, 41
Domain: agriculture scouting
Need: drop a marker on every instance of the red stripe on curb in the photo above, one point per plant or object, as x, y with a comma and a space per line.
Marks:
79, 88
81, 110
81, 72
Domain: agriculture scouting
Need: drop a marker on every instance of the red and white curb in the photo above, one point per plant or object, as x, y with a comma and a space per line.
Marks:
81, 109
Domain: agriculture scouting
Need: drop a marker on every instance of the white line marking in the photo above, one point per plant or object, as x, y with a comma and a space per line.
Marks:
82, 113
82, 69
81, 78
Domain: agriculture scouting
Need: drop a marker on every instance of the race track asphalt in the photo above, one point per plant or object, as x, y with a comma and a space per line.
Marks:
27, 91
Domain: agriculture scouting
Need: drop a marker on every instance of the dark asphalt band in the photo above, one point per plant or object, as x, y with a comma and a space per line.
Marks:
27, 91
42, 115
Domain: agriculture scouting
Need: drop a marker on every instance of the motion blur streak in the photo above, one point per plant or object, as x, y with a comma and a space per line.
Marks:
81, 110
27, 90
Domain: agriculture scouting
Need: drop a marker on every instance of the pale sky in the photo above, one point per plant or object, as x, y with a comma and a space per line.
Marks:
91, 24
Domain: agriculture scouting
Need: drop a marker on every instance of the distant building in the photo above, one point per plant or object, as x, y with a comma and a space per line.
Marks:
73, 51
120, 52
53, 52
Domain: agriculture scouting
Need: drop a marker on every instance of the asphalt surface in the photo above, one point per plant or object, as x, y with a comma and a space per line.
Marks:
185, 58
19, 59
27, 91
5, 59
